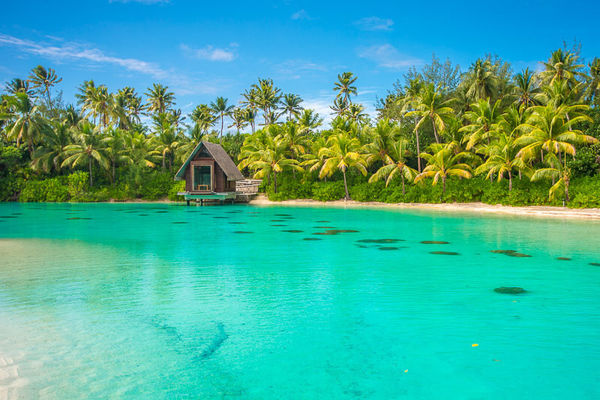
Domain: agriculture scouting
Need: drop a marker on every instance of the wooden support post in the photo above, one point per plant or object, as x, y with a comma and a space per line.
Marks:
188, 202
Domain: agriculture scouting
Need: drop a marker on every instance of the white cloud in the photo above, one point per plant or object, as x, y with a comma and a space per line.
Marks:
75, 51
301, 15
388, 56
211, 53
294, 69
375, 24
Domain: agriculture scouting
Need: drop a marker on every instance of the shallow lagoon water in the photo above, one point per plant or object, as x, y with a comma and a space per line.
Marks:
166, 301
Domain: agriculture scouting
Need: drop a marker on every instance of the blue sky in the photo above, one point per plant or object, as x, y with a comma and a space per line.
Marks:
205, 49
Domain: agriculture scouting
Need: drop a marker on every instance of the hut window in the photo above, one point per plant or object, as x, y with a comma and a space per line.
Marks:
203, 177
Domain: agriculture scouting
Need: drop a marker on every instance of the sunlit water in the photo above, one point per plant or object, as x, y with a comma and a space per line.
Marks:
157, 301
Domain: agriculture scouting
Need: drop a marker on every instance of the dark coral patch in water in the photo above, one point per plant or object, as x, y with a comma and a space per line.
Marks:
18, 213
278, 225
311, 239
324, 227
236, 222
335, 231
282, 215
179, 222
220, 216
445, 253
142, 215
7, 216
510, 290
595, 264
388, 248
434, 242
242, 232
75, 218
292, 230
322, 221
563, 258
162, 212
381, 241
511, 253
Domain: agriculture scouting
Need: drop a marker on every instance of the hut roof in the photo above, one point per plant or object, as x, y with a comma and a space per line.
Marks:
221, 157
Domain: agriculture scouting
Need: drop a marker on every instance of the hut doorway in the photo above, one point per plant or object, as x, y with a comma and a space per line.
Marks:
202, 178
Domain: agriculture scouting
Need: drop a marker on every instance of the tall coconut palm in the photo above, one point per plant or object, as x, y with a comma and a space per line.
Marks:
502, 159
380, 140
562, 65
481, 81
250, 102
269, 158
88, 149
43, 79
238, 118
309, 120
339, 107
444, 162
593, 84
71, 116
342, 152
203, 118
432, 108
160, 99
356, 113
345, 86
114, 149
27, 124
267, 99
527, 90
221, 109
50, 154
18, 86
548, 131
291, 105
395, 165
558, 172
166, 138
127, 100
482, 119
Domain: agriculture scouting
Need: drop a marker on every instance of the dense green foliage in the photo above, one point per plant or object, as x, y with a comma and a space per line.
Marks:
441, 135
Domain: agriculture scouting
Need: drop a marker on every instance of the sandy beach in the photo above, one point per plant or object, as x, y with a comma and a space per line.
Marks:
477, 208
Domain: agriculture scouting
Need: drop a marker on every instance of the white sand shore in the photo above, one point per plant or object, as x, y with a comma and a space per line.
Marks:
478, 208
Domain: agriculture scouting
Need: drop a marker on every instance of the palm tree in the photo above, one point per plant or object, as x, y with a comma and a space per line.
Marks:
268, 157
88, 149
559, 172
342, 152
502, 159
267, 97
127, 100
27, 124
380, 140
481, 81
50, 154
159, 98
203, 118
444, 162
562, 65
356, 113
44, 79
593, 85
296, 139
251, 103
18, 86
166, 138
344, 86
527, 90
547, 130
114, 148
431, 107
395, 165
340, 106
482, 117
291, 105
71, 116
221, 109
309, 120
239, 119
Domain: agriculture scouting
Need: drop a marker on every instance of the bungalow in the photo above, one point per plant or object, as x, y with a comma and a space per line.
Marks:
209, 174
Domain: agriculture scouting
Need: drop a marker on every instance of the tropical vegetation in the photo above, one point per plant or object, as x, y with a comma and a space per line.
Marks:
440, 134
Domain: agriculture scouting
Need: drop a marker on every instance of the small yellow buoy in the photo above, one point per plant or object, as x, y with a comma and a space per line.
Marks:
474, 345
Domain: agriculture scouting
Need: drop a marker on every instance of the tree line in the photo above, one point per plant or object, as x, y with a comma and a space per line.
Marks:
437, 123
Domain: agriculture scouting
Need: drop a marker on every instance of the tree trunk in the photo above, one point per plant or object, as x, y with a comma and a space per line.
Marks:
437, 139
275, 180
567, 189
509, 180
443, 184
346, 185
403, 191
418, 151
90, 168
221, 135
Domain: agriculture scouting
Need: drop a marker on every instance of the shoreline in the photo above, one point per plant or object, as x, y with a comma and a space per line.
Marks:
471, 208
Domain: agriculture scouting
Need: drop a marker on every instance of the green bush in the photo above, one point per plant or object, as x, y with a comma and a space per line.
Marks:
157, 185
178, 186
51, 190
78, 183
328, 191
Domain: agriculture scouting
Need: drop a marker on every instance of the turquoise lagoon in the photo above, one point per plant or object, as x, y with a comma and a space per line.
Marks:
149, 301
